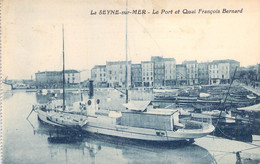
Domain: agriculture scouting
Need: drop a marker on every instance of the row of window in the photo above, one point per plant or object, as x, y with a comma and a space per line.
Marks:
216, 66
147, 78
147, 74
73, 78
147, 65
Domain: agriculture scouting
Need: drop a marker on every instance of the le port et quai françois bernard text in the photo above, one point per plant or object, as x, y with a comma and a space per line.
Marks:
166, 11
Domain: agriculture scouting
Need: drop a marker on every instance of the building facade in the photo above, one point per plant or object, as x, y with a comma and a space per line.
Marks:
98, 75
192, 72
203, 73
147, 73
159, 71
181, 76
136, 72
116, 73
221, 71
54, 79
72, 77
170, 71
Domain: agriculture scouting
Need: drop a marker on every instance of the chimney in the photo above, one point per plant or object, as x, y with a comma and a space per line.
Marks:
91, 89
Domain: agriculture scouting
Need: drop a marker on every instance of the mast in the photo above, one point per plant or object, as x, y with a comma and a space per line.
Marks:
224, 103
63, 71
126, 58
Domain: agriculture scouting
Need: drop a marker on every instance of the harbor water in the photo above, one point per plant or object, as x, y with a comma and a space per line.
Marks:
31, 141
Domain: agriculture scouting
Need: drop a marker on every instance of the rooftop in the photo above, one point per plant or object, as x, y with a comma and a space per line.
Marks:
57, 72
224, 61
117, 62
99, 66
146, 62
189, 62
162, 111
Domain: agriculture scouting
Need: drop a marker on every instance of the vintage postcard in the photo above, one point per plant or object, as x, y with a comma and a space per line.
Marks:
128, 81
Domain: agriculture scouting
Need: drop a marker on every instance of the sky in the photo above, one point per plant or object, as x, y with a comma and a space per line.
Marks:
32, 33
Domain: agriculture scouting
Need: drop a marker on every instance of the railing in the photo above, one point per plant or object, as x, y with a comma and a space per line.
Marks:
199, 125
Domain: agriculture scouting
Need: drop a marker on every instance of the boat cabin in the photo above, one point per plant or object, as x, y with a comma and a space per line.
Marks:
141, 114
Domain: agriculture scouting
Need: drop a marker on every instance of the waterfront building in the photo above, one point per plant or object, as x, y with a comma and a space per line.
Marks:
48, 79
116, 73
170, 71
203, 73
136, 72
147, 73
181, 76
72, 77
54, 79
98, 75
159, 71
221, 71
163, 72
192, 72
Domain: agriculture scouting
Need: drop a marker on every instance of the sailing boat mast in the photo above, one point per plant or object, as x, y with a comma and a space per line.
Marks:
63, 72
224, 103
126, 58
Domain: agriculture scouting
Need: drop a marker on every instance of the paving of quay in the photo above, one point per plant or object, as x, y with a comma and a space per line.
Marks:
224, 150
252, 89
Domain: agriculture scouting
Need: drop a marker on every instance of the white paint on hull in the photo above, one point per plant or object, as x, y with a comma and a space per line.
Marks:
146, 134
43, 117
96, 126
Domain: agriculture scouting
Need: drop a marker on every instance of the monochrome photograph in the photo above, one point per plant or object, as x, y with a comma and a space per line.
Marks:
127, 81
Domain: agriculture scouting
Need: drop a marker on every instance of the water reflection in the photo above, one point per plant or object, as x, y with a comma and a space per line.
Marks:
99, 148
